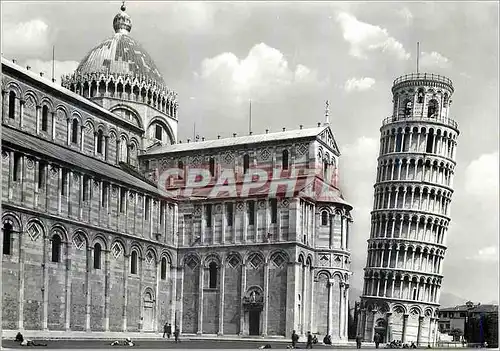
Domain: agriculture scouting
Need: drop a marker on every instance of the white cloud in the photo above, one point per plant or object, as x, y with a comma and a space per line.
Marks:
406, 14
434, 59
361, 84
364, 37
486, 254
60, 68
264, 70
25, 38
481, 177
361, 156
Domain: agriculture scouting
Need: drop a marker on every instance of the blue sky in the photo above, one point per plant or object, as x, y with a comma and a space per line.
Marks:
288, 58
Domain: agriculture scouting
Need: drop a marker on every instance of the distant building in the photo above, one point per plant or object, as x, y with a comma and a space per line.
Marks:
451, 318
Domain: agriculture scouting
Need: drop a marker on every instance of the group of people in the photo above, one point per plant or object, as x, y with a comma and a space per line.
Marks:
167, 330
398, 344
395, 344
311, 339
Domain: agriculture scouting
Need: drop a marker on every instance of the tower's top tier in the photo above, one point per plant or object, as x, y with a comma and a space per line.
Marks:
423, 97
422, 79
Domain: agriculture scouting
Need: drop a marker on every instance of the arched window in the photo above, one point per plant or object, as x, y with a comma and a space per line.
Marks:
246, 163
430, 141
180, 165
56, 248
45, 117
399, 141
97, 256
158, 132
12, 105
408, 108
163, 269
420, 96
123, 150
284, 159
212, 166
74, 131
7, 239
324, 218
133, 262
100, 138
432, 108
212, 268
325, 170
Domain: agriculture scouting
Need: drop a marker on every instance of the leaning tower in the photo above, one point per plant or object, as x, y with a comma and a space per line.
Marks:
411, 213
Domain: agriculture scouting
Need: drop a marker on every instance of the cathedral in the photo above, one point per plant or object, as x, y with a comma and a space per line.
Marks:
111, 224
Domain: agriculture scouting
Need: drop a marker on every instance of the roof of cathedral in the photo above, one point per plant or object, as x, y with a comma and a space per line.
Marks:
247, 139
81, 100
76, 159
119, 57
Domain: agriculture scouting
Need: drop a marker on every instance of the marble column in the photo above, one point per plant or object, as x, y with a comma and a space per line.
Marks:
389, 337
221, 296
88, 305
405, 322
266, 299
125, 291
419, 332
341, 310
200, 299
374, 322
331, 283
243, 291
107, 289
45, 283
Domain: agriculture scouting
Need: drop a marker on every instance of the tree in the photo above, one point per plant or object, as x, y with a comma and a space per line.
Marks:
456, 333
482, 329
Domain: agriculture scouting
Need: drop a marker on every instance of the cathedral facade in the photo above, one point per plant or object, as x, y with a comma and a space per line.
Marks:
105, 228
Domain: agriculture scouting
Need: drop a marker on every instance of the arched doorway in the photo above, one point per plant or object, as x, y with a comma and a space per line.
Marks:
253, 304
148, 311
381, 329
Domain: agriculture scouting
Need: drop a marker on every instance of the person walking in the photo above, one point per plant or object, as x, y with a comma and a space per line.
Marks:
176, 334
358, 341
295, 338
309, 344
169, 330
165, 327
376, 339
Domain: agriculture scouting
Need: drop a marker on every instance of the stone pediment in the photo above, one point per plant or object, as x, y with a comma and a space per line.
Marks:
326, 136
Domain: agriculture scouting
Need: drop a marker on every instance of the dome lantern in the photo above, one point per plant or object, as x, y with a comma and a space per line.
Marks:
122, 24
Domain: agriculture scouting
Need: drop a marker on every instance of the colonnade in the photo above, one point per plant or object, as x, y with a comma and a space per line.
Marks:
417, 227
403, 287
164, 102
406, 257
419, 140
412, 198
418, 169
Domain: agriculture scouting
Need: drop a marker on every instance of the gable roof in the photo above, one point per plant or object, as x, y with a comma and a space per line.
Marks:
307, 133
473, 309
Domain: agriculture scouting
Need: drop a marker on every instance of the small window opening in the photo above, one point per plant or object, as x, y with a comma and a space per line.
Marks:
213, 275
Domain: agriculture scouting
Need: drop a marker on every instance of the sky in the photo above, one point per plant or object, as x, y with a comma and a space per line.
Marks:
289, 58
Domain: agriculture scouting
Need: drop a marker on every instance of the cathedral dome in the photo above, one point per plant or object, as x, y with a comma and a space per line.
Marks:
121, 55
121, 61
